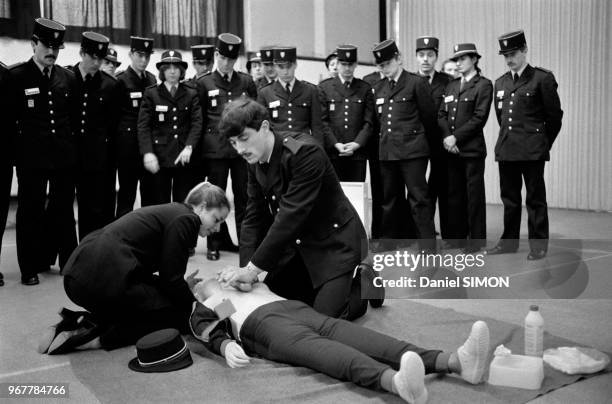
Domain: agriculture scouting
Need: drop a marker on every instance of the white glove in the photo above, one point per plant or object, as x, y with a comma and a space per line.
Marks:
235, 356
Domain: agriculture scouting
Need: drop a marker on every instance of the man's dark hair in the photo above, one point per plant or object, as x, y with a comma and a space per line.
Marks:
240, 114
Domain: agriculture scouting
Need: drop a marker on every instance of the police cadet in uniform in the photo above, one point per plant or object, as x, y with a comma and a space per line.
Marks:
461, 118
7, 153
202, 59
255, 68
216, 90
132, 83
110, 62
348, 115
293, 104
427, 56
374, 163
299, 225
331, 65
406, 114
45, 105
267, 60
97, 127
169, 127
529, 113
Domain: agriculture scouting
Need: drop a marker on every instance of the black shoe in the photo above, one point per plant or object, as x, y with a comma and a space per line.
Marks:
1, 279
536, 255
71, 320
191, 252
471, 249
69, 340
376, 296
31, 281
499, 249
213, 255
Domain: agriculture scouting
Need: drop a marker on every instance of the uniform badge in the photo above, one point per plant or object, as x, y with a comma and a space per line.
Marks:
161, 117
32, 91
274, 104
230, 47
348, 54
332, 107
275, 113
282, 54
171, 53
505, 42
146, 44
161, 108
100, 46
426, 40
378, 54
56, 35
268, 53
380, 101
500, 93
213, 103
213, 93
449, 98
135, 94
30, 103
499, 105
203, 52
456, 48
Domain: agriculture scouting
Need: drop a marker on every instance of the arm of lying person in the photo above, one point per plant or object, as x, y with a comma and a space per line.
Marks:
240, 278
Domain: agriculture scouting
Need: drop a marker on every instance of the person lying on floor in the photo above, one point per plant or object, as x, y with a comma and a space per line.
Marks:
112, 274
262, 323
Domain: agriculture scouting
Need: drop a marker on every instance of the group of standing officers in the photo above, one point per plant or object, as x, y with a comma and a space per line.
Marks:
80, 128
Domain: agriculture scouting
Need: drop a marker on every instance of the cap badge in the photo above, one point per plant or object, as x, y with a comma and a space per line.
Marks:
456, 48
348, 54
268, 53
171, 53
426, 40
146, 44
203, 52
505, 42
378, 54
100, 46
55, 35
230, 47
282, 54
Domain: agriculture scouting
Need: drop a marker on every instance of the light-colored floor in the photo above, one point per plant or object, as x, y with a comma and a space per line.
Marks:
26, 311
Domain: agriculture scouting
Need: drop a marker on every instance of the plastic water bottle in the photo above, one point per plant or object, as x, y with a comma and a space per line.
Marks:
534, 332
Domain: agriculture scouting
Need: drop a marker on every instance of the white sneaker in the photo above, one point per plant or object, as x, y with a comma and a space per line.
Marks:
410, 380
473, 354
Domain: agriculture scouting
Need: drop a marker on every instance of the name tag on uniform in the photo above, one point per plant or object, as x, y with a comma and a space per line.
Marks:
213, 102
32, 91
213, 93
275, 113
500, 93
161, 108
449, 98
380, 101
30, 103
135, 94
274, 104
332, 107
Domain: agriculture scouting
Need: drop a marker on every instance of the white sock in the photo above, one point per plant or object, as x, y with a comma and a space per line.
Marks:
409, 382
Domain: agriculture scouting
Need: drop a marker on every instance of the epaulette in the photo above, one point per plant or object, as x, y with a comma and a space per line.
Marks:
415, 74
326, 80
2, 64
292, 144
121, 73
543, 69
502, 76
152, 85
266, 84
13, 66
190, 83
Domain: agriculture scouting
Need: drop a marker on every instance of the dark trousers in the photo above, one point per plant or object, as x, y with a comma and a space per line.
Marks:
218, 170
123, 321
339, 297
467, 211
169, 184
438, 183
397, 176
376, 188
511, 177
42, 229
293, 333
128, 177
95, 192
349, 170
6, 179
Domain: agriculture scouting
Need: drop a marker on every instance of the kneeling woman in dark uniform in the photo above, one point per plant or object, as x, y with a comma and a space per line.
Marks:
169, 127
111, 274
462, 117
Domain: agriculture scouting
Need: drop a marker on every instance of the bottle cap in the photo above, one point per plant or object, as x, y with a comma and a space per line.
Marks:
534, 307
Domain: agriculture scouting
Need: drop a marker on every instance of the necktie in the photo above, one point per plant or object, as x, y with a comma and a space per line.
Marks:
172, 90
226, 78
288, 88
347, 84
46, 73
143, 81
392, 84
462, 84
515, 78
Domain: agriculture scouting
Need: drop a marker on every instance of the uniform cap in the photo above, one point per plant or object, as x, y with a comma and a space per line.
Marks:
49, 32
228, 45
94, 44
511, 41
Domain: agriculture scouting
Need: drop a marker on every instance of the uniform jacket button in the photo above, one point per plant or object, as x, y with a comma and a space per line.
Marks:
273, 197
335, 225
298, 241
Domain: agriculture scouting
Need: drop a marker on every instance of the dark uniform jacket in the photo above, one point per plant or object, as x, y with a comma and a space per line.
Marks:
131, 91
113, 262
529, 115
406, 115
262, 82
167, 124
295, 114
45, 115
464, 114
436, 87
7, 120
296, 206
214, 94
98, 115
348, 114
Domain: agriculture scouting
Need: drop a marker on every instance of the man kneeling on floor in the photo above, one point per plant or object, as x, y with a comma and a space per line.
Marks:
232, 323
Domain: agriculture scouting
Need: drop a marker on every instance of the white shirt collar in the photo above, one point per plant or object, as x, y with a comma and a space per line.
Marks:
469, 76
41, 67
520, 72
229, 75
291, 83
397, 75
343, 81
430, 75
169, 86
83, 72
